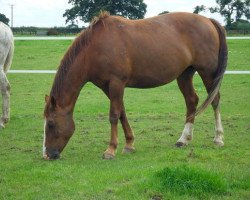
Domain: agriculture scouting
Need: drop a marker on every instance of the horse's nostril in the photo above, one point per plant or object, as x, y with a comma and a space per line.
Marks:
56, 156
53, 154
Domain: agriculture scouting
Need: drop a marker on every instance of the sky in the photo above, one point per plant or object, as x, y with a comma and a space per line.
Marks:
49, 13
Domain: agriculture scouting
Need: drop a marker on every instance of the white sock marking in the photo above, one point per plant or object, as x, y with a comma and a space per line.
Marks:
44, 138
218, 139
187, 133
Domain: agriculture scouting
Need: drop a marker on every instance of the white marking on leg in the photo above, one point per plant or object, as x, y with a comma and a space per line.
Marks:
44, 139
187, 134
218, 139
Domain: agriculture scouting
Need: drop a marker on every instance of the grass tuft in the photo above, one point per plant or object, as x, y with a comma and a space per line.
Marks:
191, 181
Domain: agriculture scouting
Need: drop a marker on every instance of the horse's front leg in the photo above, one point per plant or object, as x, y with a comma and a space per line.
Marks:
116, 91
129, 136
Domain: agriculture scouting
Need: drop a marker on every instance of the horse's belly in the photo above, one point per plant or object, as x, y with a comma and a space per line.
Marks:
156, 72
149, 81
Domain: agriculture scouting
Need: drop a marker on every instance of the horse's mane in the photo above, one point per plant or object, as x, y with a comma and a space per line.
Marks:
81, 42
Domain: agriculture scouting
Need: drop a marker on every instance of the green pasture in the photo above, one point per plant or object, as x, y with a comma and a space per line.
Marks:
157, 170
46, 54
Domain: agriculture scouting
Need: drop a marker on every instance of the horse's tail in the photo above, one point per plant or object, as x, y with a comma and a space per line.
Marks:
222, 64
8, 60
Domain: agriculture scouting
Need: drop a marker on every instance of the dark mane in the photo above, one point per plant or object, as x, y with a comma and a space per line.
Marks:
79, 43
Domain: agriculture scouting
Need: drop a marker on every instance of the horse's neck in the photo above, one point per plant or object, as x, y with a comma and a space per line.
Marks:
70, 87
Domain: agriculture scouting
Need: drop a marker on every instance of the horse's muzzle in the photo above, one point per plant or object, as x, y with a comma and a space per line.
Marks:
51, 154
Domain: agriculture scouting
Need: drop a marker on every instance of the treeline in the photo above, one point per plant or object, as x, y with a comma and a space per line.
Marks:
240, 27
46, 31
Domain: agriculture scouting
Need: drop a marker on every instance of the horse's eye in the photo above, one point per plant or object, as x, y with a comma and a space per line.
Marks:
50, 124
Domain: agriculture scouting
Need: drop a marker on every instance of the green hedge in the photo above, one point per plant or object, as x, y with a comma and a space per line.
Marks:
46, 31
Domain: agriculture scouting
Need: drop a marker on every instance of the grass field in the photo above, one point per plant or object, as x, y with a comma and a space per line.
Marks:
44, 54
158, 170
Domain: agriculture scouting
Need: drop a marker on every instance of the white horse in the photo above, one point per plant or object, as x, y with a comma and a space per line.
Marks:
6, 54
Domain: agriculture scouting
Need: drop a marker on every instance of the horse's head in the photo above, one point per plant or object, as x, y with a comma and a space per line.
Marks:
58, 128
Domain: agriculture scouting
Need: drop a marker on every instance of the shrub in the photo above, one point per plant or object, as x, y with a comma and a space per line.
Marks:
52, 32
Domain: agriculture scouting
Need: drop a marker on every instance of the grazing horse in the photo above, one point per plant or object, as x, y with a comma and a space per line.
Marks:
114, 53
6, 54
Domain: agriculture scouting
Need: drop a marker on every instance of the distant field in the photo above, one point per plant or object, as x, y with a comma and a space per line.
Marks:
158, 170
46, 54
41, 54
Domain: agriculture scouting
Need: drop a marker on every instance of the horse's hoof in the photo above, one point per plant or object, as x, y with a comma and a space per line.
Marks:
180, 144
128, 150
219, 143
108, 156
2, 126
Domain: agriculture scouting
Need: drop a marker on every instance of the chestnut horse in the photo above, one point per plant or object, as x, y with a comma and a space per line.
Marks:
6, 54
114, 53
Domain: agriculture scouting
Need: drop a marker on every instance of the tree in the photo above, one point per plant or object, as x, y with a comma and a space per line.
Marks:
87, 9
230, 8
241, 24
4, 19
164, 12
199, 9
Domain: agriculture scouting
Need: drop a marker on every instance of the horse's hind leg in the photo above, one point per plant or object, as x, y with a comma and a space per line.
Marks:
186, 86
5, 90
208, 82
218, 139
4, 87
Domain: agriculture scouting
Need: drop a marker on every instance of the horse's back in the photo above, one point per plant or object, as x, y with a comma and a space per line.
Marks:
155, 51
5, 34
189, 34
169, 29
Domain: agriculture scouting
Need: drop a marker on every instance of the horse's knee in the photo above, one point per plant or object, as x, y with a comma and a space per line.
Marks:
113, 118
5, 88
4, 83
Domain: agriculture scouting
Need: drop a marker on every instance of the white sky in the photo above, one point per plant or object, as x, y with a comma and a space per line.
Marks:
48, 13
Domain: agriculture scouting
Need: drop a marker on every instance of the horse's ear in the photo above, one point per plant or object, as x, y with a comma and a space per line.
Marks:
53, 101
46, 98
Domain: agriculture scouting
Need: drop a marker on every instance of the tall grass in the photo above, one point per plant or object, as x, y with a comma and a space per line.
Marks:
192, 181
